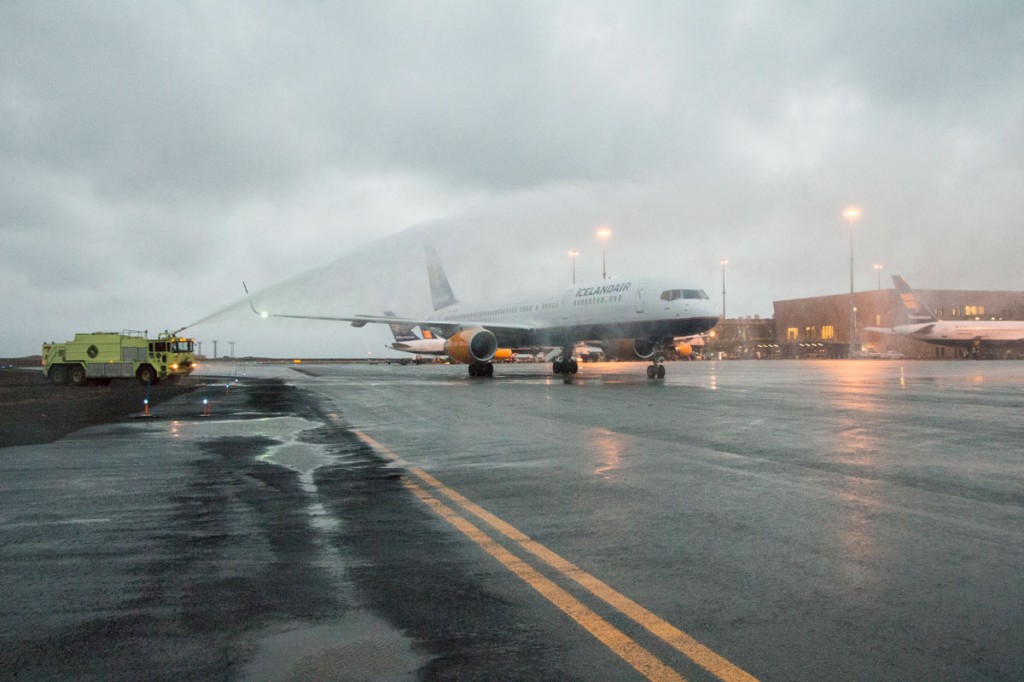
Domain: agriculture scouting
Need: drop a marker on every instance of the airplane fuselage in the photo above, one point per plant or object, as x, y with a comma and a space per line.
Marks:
650, 310
964, 332
651, 307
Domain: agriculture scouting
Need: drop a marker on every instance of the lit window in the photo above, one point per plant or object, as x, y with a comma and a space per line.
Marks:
828, 332
792, 334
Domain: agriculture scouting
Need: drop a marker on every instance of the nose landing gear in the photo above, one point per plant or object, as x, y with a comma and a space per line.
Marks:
565, 364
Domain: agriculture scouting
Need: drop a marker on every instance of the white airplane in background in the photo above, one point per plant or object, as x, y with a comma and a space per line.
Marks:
407, 341
969, 335
650, 310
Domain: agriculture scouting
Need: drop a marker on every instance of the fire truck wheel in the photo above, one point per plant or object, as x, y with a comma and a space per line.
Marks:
58, 375
78, 377
146, 375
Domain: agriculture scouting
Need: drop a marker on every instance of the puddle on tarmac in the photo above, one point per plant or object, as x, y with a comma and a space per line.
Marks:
358, 647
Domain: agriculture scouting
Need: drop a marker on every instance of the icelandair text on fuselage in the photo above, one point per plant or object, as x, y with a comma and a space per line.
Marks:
607, 289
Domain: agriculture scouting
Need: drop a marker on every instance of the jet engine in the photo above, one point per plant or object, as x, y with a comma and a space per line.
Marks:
471, 345
644, 348
628, 349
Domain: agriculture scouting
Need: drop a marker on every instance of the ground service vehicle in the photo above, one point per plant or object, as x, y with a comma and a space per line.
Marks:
102, 356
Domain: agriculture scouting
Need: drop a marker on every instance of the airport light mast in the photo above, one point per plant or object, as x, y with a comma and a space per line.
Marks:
723, 262
878, 271
852, 213
603, 234
573, 254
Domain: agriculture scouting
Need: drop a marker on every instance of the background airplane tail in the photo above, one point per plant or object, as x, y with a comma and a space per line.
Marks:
916, 310
402, 332
440, 289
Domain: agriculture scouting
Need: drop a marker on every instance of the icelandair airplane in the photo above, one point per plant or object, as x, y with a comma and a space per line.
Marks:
966, 334
650, 310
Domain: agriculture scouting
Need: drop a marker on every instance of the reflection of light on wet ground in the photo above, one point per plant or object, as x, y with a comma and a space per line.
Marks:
277, 428
607, 447
855, 428
60, 522
857, 535
291, 453
305, 459
358, 647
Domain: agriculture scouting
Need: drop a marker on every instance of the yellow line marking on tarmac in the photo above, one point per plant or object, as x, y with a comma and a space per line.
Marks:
717, 665
640, 658
662, 629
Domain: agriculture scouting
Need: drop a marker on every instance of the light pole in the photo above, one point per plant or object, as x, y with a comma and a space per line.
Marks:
573, 254
851, 213
603, 234
724, 262
878, 271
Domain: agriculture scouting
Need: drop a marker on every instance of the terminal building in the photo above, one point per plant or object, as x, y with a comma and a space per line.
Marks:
819, 327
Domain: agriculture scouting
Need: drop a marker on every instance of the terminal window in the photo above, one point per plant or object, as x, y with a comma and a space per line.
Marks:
792, 334
828, 332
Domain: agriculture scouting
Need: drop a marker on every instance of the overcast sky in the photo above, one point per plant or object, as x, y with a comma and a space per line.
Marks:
155, 154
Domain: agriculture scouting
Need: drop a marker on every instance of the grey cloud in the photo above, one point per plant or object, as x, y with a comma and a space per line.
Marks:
204, 143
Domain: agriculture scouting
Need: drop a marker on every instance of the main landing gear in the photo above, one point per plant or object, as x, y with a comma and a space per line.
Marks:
657, 369
656, 372
481, 369
565, 364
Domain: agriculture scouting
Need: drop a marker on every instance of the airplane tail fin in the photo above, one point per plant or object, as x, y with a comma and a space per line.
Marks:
916, 310
402, 332
440, 289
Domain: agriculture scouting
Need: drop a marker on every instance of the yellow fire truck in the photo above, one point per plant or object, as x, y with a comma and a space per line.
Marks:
102, 356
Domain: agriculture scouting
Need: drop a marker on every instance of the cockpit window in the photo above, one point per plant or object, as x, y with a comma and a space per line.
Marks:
675, 294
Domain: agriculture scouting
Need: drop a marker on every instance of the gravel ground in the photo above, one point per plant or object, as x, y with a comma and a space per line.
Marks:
34, 411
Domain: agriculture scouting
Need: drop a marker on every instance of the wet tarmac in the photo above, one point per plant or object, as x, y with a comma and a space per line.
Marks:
855, 520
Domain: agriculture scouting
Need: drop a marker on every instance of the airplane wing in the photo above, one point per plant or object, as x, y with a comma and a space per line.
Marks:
879, 330
447, 327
